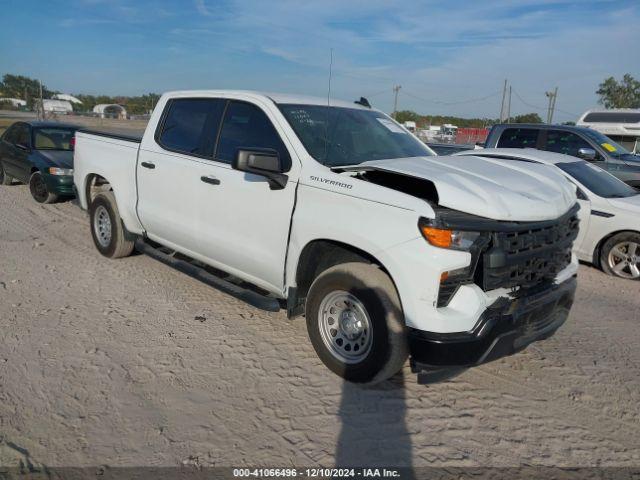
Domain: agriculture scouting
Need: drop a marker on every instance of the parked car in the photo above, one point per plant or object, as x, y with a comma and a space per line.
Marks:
579, 142
39, 154
449, 148
339, 213
609, 210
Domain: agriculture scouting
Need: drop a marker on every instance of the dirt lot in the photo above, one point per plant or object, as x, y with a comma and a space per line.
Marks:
129, 362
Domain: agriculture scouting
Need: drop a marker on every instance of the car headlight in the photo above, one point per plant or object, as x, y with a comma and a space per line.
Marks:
451, 239
60, 171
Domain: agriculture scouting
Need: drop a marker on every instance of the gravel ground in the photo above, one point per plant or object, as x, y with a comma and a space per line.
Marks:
131, 363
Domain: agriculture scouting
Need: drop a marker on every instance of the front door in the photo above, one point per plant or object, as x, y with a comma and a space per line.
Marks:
244, 224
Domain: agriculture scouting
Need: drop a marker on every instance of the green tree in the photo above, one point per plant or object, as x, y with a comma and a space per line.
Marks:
527, 118
623, 94
25, 88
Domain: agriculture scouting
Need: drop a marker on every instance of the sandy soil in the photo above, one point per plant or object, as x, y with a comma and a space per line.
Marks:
129, 362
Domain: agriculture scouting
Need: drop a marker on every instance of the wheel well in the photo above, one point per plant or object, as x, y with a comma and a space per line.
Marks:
598, 249
34, 170
316, 257
96, 184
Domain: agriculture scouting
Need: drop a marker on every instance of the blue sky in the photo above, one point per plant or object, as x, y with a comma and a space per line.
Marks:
450, 57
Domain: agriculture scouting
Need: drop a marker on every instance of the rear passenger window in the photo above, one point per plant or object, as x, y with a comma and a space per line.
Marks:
191, 125
247, 126
565, 142
10, 134
22, 136
518, 138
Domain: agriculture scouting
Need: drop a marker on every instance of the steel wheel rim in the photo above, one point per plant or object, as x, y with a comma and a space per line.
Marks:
102, 226
624, 260
345, 327
38, 188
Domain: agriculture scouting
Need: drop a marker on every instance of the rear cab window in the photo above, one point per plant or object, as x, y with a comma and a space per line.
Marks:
518, 138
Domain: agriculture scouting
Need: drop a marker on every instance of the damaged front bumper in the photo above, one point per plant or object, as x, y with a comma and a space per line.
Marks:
506, 327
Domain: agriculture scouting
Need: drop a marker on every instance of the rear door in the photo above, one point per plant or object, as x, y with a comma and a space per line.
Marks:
170, 170
22, 152
7, 150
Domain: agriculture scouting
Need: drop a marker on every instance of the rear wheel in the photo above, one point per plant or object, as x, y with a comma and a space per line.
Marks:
4, 178
39, 190
355, 323
110, 236
620, 256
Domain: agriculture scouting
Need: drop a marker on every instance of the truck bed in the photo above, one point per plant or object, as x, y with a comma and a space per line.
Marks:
112, 156
116, 134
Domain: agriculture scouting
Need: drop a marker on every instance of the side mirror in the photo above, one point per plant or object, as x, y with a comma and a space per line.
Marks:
262, 162
587, 154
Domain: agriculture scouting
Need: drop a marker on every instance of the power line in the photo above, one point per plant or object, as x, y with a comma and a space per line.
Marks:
542, 109
462, 102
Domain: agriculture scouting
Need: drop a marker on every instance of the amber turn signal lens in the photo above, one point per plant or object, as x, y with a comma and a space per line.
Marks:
437, 236
444, 276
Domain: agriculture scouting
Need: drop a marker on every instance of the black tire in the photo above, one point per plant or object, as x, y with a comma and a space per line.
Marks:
39, 190
118, 242
628, 261
4, 178
388, 350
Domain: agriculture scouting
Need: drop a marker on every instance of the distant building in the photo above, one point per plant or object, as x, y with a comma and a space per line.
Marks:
110, 111
410, 125
16, 102
68, 98
57, 106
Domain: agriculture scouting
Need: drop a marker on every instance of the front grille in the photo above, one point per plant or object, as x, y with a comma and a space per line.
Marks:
522, 256
528, 257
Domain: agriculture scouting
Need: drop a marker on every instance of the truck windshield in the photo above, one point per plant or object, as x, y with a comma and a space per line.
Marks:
338, 136
612, 148
597, 180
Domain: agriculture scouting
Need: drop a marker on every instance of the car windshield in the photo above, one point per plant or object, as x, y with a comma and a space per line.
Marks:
53, 138
597, 180
612, 148
338, 136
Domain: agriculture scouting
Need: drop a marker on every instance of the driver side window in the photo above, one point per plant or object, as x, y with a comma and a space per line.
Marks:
247, 126
565, 142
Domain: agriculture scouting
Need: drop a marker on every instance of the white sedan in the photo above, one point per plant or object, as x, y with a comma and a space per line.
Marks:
609, 214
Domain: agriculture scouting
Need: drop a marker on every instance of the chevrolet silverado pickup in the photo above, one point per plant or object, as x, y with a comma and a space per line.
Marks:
334, 211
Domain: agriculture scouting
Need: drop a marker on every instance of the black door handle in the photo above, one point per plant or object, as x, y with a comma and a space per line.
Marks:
210, 180
148, 165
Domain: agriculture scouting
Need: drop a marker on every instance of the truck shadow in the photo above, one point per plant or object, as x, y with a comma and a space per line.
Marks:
374, 432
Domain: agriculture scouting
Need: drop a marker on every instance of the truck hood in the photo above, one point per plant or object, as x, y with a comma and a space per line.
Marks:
488, 187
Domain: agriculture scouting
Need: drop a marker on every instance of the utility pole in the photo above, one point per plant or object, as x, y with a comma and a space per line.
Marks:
509, 106
552, 104
504, 94
396, 90
41, 100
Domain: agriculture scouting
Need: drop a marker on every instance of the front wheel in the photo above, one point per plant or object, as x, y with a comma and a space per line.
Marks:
110, 236
4, 178
620, 256
355, 323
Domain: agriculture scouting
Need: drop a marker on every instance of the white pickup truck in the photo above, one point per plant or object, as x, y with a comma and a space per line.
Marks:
339, 213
